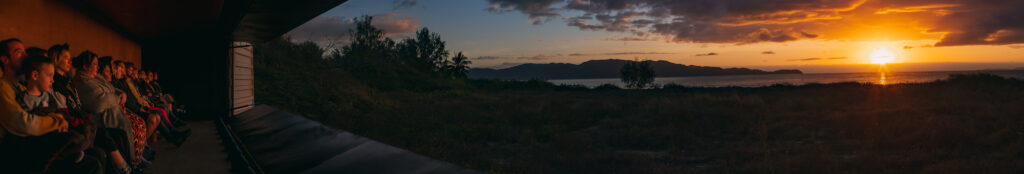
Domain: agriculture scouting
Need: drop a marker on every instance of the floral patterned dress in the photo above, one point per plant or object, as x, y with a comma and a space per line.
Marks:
139, 132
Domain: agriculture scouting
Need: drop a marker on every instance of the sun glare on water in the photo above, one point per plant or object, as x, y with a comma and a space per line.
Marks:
882, 56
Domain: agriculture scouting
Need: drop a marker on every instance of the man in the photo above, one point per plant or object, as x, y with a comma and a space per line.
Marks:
137, 105
14, 119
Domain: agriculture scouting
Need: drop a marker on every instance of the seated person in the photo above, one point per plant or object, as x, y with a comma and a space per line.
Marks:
139, 126
61, 152
102, 101
35, 51
61, 57
156, 102
19, 126
13, 118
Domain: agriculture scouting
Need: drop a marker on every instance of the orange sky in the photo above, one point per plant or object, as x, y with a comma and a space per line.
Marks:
795, 33
725, 33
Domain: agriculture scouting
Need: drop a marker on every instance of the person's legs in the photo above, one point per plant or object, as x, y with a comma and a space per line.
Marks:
177, 121
86, 165
174, 136
152, 122
162, 112
118, 158
91, 163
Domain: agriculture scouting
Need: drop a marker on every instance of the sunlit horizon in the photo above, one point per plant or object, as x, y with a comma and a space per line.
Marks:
499, 34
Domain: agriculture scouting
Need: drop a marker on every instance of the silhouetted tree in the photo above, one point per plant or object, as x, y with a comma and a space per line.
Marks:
637, 74
459, 67
426, 51
368, 47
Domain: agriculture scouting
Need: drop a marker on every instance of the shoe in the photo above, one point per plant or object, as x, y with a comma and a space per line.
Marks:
181, 137
148, 153
137, 170
143, 163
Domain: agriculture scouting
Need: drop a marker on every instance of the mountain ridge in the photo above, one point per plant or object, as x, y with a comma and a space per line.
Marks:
608, 68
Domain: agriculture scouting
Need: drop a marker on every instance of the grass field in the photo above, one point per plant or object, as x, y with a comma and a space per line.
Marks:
966, 124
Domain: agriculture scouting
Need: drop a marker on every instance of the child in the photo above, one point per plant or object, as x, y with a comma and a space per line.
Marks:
38, 73
65, 149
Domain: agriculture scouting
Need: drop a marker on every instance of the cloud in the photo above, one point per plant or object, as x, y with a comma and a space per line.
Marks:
907, 47
403, 4
768, 52
324, 30
816, 59
617, 53
488, 57
806, 59
952, 22
633, 53
539, 57
627, 39
707, 54
533, 8
1016, 46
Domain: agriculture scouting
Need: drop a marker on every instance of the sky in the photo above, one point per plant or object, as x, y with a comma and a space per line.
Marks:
811, 35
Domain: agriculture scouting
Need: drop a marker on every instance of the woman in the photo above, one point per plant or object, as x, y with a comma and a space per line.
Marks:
61, 56
102, 101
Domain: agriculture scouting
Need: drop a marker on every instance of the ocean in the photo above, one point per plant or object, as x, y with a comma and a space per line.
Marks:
793, 79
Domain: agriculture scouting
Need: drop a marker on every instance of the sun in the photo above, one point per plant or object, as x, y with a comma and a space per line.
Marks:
882, 55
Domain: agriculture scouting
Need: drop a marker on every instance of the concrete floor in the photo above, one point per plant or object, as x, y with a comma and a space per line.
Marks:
201, 153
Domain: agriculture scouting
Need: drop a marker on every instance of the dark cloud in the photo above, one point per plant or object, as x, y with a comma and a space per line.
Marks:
768, 52
806, 59
634, 53
952, 22
707, 54
488, 57
627, 39
816, 59
324, 30
983, 22
532, 8
539, 57
599, 54
907, 47
403, 3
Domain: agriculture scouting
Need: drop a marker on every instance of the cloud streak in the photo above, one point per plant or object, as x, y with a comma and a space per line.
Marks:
707, 54
815, 59
324, 30
952, 22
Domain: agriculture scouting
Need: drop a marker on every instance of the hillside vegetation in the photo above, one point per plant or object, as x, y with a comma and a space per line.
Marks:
966, 124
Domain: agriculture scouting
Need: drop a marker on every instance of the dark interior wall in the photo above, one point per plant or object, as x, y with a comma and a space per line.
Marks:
193, 68
43, 23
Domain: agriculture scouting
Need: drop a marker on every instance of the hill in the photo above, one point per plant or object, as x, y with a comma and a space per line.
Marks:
608, 68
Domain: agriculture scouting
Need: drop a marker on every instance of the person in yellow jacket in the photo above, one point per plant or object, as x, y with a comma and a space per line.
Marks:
17, 123
13, 118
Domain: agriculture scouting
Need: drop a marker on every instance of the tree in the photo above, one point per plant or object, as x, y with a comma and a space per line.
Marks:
426, 51
369, 46
637, 74
459, 66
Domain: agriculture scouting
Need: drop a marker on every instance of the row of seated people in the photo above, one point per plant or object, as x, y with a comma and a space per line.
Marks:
83, 114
